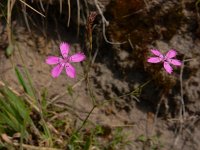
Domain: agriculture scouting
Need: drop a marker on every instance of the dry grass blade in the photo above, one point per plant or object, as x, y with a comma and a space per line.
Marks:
69, 13
60, 6
63, 94
30, 147
182, 118
32, 8
42, 7
25, 17
78, 17
3, 84
10, 5
6, 138
29, 99
182, 110
105, 23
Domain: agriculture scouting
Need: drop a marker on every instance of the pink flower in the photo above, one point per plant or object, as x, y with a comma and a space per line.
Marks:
64, 61
167, 59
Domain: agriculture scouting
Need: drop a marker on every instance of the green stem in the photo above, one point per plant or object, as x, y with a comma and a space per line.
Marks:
84, 122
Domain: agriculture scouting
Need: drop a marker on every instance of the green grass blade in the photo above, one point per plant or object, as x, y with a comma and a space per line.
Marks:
14, 114
17, 104
88, 143
21, 80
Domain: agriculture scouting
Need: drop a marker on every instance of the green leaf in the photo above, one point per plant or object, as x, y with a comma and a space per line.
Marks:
17, 104
88, 143
70, 90
9, 50
142, 138
44, 101
14, 114
21, 80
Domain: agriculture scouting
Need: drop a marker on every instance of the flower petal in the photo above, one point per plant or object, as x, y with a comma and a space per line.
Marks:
70, 70
51, 60
154, 60
170, 54
55, 72
157, 52
175, 62
77, 57
168, 68
64, 49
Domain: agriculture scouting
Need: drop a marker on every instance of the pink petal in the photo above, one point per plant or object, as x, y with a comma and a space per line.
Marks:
156, 52
70, 70
167, 67
64, 49
51, 60
170, 54
154, 60
77, 57
55, 72
175, 62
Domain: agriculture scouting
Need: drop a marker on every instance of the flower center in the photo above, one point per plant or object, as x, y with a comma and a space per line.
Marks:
64, 61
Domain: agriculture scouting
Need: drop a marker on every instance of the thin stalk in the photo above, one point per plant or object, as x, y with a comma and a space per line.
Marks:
84, 122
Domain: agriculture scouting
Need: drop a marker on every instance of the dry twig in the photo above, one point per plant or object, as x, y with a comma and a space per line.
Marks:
105, 23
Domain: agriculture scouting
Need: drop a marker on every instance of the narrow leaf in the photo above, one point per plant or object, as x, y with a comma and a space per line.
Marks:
9, 50
21, 80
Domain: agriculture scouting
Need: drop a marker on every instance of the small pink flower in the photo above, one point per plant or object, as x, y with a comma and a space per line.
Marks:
166, 59
64, 61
